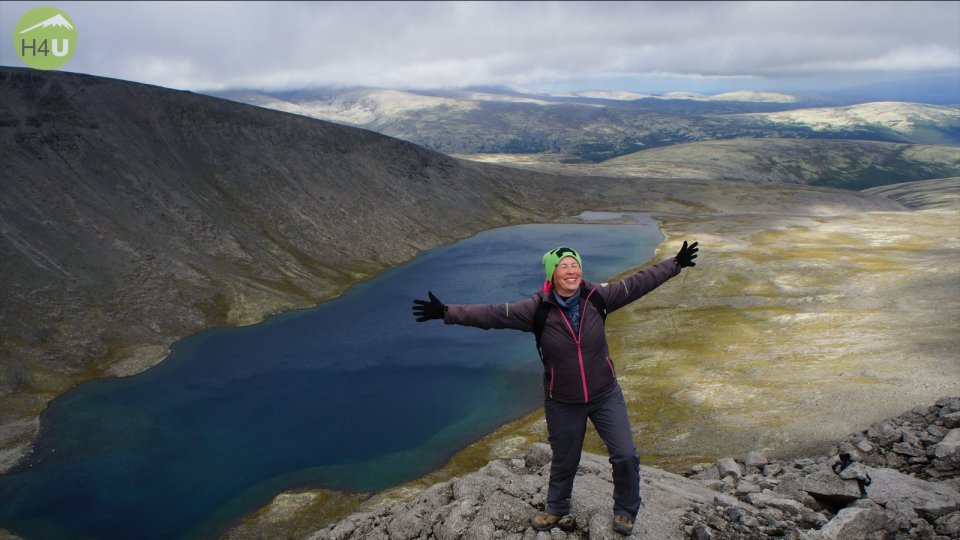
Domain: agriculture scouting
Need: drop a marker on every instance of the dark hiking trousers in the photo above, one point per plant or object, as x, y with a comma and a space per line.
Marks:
567, 425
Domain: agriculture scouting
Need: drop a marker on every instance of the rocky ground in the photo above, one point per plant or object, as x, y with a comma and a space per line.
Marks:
897, 479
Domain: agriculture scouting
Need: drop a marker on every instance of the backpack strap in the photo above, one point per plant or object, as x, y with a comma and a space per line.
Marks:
539, 321
599, 303
540, 315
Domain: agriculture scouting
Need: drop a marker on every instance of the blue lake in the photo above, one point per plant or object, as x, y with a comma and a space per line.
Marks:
351, 395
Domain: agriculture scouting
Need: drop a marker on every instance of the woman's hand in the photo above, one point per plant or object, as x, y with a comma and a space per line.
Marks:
686, 255
425, 310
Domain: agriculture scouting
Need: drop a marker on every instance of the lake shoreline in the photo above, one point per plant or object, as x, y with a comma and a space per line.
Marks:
222, 370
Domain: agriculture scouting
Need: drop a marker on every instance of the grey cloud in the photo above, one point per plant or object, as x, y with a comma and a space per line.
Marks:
208, 45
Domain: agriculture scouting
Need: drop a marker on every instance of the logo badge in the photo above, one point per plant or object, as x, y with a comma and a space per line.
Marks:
45, 38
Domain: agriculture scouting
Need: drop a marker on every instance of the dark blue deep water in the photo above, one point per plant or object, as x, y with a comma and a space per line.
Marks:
352, 395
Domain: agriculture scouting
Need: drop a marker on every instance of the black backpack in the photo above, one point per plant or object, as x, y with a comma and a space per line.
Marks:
540, 315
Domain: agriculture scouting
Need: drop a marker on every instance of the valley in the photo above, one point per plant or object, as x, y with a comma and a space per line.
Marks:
132, 216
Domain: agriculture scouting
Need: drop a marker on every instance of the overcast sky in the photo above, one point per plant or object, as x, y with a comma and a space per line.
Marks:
544, 46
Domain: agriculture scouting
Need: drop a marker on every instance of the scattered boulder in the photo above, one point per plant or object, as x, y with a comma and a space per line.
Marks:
946, 453
855, 522
729, 467
831, 488
499, 500
896, 480
756, 460
931, 500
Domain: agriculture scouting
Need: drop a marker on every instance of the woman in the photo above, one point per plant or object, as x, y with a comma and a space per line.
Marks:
579, 380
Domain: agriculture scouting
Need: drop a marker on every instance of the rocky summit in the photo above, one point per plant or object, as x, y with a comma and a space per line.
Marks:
897, 479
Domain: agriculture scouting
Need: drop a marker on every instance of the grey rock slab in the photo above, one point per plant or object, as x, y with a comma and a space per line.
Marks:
951, 420
928, 499
666, 497
827, 486
946, 453
855, 524
729, 467
768, 498
756, 459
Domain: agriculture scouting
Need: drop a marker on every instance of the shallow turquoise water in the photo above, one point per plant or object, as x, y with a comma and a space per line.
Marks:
352, 395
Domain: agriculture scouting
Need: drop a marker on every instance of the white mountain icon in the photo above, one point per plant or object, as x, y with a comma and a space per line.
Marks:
56, 20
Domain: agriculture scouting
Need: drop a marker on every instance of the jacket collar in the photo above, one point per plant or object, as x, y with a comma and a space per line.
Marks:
585, 288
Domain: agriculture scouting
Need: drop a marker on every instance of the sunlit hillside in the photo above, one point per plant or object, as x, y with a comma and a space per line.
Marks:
913, 121
849, 164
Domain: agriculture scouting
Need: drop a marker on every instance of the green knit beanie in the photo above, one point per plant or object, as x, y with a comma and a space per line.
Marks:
552, 258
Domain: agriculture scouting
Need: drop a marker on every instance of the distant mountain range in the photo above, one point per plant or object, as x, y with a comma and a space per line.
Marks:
598, 126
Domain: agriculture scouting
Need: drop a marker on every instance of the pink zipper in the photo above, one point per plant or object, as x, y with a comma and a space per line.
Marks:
552, 379
576, 339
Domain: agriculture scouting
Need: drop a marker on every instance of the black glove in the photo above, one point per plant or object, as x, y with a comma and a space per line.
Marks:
686, 255
424, 310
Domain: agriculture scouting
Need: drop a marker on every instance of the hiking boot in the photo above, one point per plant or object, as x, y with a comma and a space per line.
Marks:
622, 525
544, 521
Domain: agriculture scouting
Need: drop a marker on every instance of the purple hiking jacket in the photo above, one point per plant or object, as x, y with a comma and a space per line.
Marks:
577, 366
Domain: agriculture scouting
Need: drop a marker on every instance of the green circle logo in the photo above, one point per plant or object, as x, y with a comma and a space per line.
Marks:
45, 38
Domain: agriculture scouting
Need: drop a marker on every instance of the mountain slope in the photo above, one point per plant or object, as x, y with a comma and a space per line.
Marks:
840, 163
828, 162
943, 193
132, 215
910, 122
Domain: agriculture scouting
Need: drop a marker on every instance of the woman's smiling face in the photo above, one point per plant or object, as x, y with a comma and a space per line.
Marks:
567, 277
